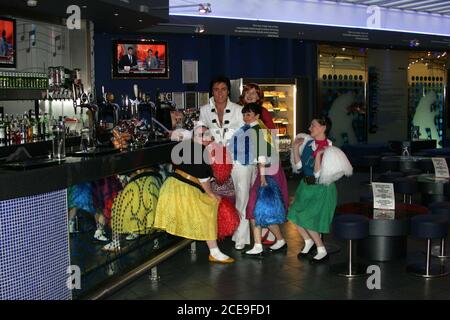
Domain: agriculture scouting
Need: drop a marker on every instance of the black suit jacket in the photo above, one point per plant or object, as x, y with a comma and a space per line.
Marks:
125, 61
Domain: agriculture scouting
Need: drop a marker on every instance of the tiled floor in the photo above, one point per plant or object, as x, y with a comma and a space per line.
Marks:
282, 276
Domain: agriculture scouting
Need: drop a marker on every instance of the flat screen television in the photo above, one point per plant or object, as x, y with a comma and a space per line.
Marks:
7, 43
140, 59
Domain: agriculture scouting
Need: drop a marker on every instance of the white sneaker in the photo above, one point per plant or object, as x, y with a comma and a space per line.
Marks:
100, 236
132, 237
113, 246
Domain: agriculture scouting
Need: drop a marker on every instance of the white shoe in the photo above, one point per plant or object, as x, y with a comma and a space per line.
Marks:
100, 236
113, 246
132, 237
239, 246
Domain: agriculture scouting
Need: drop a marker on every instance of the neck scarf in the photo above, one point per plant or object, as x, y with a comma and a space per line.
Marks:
320, 144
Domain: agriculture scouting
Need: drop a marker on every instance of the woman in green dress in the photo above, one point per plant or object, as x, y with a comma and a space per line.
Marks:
313, 208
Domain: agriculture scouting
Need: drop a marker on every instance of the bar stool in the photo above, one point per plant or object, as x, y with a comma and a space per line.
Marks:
426, 165
428, 227
441, 208
371, 161
406, 187
366, 197
351, 227
389, 177
447, 190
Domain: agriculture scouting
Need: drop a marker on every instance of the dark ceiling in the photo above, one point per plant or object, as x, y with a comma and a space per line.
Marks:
107, 15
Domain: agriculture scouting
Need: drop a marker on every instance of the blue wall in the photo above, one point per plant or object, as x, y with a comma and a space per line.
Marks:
235, 57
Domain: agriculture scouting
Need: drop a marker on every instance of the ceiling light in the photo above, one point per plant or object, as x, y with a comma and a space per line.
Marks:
200, 29
116, 14
32, 3
204, 8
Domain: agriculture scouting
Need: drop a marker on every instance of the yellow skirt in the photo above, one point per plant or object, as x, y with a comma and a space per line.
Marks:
134, 208
183, 210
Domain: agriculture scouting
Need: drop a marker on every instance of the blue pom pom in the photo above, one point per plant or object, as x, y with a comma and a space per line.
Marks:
269, 207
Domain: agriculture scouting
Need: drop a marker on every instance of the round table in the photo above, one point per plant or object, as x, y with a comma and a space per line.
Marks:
431, 188
387, 235
405, 162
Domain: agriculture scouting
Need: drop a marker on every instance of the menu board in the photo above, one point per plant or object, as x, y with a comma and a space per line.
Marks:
440, 168
383, 196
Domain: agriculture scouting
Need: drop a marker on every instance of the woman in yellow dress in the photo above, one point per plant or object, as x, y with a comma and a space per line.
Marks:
187, 207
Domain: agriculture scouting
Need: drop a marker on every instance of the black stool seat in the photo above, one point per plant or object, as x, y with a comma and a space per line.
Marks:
366, 197
447, 189
390, 177
429, 226
440, 208
406, 185
351, 227
388, 154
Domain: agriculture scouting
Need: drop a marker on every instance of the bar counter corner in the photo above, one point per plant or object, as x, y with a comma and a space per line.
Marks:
34, 236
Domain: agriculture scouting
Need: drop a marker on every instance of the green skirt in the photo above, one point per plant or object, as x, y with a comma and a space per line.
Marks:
313, 207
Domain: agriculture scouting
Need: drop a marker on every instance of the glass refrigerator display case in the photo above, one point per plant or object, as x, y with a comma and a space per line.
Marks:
280, 99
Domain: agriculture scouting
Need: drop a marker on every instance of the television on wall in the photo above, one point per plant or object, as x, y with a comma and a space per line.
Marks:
134, 59
7, 43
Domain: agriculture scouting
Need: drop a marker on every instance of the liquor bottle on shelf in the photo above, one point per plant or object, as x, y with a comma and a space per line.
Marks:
7, 129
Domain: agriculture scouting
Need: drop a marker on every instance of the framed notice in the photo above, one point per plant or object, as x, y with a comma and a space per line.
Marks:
440, 168
383, 196
190, 71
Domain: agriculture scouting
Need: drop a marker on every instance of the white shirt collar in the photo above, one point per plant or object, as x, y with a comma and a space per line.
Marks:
254, 123
213, 103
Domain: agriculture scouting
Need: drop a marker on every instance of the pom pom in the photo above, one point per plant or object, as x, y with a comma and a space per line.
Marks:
221, 163
269, 208
227, 219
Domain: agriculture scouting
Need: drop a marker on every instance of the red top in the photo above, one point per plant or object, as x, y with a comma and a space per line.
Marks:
267, 118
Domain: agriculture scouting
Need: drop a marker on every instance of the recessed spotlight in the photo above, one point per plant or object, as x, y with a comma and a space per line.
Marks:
116, 14
200, 29
204, 8
140, 20
84, 7
32, 3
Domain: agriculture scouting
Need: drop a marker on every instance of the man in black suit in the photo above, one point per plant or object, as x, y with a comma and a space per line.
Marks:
128, 60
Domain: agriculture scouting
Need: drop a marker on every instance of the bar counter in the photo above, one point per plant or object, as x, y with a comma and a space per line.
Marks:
16, 183
36, 260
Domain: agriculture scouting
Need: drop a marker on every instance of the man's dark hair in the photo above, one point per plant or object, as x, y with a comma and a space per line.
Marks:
130, 48
252, 107
220, 79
